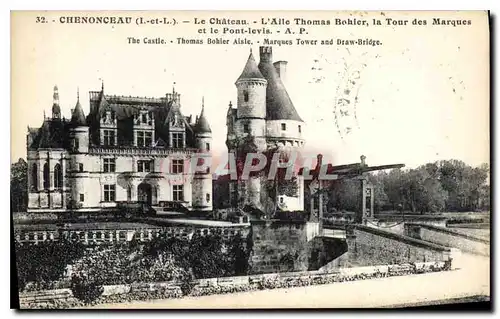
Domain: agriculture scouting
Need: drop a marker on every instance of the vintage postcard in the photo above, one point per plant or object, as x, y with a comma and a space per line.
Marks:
250, 159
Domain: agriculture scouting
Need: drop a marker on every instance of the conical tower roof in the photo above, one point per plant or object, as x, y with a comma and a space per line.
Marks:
78, 117
279, 106
202, 126
251, 71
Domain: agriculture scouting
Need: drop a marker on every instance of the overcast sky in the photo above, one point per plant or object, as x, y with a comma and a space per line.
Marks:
422, 95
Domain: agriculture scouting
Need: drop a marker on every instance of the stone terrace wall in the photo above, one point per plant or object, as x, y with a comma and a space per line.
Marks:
368, 246
449, 238
279, 246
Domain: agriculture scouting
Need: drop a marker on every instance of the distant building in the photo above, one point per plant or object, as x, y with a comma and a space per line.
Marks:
128, 149
264, 120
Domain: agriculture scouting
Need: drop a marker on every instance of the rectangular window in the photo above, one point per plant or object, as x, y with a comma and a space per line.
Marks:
76, 144
82, 197
109, 137
148, 138
109, 165
144, 166
178, 193
177, 140
109, 193
177, 166
246, 128
283, 126
80, 167
208, 198
208, 146
144, 118
300, 129
144, 139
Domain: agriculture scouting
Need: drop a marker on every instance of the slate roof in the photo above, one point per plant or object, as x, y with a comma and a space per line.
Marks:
279, 106
202, 126
250, 71
52, 134
78, 117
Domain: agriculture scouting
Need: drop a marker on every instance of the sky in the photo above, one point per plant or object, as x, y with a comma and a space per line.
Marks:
421, 96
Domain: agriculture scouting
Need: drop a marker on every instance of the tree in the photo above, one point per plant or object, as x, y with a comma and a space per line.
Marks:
19, 186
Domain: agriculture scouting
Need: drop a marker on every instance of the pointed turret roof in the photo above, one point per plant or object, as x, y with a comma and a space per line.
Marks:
279, 106
78, 117
202, 126
251, 71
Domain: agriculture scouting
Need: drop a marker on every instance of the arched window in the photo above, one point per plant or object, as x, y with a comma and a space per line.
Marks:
58, 176
46, 176
34, 177
245, 96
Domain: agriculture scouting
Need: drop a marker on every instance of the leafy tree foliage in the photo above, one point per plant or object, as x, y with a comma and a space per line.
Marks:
434, 187
19, 186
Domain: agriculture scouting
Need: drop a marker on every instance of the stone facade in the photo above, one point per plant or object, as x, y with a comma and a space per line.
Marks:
128, 149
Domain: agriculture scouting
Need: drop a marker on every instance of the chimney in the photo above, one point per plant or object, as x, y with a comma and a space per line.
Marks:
266, 54
280, 67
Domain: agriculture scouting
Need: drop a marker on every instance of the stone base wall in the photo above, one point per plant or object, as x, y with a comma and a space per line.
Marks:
449, 238
368, 247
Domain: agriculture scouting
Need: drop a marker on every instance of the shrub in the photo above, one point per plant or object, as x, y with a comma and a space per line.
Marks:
85, 289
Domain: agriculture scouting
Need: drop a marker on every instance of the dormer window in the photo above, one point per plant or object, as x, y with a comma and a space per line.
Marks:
109, 137
144, 118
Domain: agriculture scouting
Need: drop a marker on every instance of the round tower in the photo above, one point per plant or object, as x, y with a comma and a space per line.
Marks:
79, 129
202, 180
79, 139
251, 107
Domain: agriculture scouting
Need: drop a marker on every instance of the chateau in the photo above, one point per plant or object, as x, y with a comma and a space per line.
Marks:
127, 149
264, 121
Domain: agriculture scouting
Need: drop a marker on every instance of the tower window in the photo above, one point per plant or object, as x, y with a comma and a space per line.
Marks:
208, 146
76, 144
80, 167
283, 126
246, 128
300, 129
82, 197
109, 165
208, 198
245, 96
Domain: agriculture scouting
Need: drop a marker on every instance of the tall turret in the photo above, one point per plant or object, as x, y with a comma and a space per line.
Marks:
79, 134
79, 129
251, 106
202, 181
